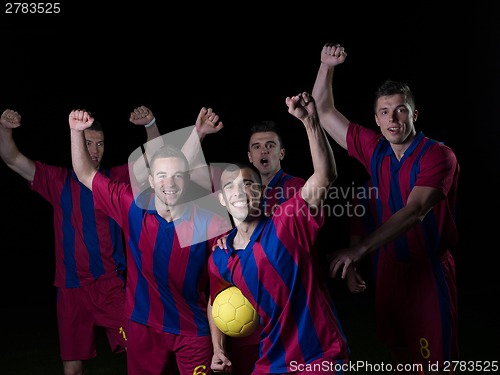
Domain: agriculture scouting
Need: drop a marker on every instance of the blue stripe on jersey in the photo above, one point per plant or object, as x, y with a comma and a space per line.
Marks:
89, 231
141, 297
382, 148
198, 256
162, 254
117, 243
396, 202
247, 260
444, 306
198, 252
258, 291
279, 179
68, 241
285, 265
430, 232
116, 238
430, 235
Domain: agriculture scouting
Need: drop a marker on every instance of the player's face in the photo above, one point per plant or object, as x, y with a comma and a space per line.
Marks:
95, 145
395, 118
168, 179
265, 152
241, 194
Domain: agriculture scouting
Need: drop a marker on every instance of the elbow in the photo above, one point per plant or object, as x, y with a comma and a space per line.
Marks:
418, 215
327, 180
332, 175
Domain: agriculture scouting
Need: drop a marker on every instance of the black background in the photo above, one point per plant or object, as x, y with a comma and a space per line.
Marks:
243, 60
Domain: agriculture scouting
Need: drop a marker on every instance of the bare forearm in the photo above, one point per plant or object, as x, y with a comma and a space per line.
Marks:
325, 169
334, 122
397, 225
420, 202
322, 90
152, 132
218, 338
197, 164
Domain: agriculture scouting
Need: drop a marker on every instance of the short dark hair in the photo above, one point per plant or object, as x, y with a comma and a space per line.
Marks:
266, 126
232, 167
390, 87
169, 151
96, 126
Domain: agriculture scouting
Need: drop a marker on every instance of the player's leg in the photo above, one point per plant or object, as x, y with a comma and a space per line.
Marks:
194, 354
149, 351
76, 329
108, 298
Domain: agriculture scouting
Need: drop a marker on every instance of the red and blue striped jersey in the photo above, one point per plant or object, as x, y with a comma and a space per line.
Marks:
280, 188
282, 279
88, 244
426, 162
166, 280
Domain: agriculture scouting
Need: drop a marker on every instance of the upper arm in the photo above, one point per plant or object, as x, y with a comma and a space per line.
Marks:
314, 193
23, 166
336, 125
87, 179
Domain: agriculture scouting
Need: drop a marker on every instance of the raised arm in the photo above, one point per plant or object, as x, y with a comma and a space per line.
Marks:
315, 189
207, 123
142, 116
9, 152
79, 120
334, 122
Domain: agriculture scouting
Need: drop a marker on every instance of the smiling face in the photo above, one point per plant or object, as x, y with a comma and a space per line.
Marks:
265, 153
396, 118
169, 180
241, 193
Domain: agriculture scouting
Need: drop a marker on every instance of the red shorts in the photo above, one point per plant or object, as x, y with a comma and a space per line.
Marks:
244, 352
153, 352
81, 310
416, 307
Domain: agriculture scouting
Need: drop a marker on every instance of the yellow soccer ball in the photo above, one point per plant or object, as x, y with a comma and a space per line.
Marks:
233, 314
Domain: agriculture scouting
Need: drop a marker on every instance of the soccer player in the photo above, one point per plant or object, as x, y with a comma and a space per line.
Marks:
89, 256
265, 151
416, 178
271, 259
168, 244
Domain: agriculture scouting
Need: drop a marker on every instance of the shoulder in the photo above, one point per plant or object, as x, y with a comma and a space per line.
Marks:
361, 139
291, 180
51, 172
438, 151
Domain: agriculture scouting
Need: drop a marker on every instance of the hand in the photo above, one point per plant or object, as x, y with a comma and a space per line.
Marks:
220, 362
141, 116
355, 281
345, 259
333, 54
80, 119
301, 106
206, 122
221, 242
10, 119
